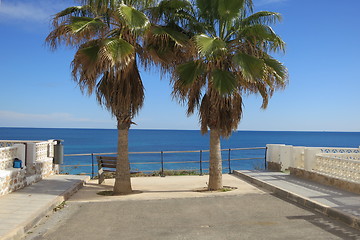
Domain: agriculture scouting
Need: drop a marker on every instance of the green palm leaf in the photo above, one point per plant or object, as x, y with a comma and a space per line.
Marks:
171, 6
210, 46
207, 9
76, 10
224, 81
278, 68
79, 24
178, 37
263, 33
188, 72
229, 9
250, 66
263, 17
91, 52
133, 18
118, 50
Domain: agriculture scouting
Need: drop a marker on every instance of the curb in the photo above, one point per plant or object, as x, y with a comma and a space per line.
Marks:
351, 220
22, 228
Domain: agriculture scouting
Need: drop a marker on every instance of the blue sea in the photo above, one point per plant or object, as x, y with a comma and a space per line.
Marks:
84, 141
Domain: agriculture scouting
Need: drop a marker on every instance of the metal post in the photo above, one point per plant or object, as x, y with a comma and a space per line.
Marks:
162, 164
229, 161
265, 157
92, 166
201, 173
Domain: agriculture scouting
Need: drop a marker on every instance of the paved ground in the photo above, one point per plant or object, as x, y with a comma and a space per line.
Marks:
328, 200
21, 210
168, 208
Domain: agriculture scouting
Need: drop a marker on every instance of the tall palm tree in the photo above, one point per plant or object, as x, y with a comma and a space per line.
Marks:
228, 57
107, 36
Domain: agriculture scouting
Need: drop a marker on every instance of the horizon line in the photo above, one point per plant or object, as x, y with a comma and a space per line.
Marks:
163, 129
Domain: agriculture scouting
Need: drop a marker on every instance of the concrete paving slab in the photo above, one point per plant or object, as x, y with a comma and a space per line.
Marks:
168, 208
22, 209
162, 188
330, 201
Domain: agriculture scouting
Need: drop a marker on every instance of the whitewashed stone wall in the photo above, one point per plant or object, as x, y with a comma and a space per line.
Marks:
39, 163
7, 155
332, 166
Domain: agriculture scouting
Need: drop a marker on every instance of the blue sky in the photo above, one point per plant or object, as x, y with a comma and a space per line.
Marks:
322, 56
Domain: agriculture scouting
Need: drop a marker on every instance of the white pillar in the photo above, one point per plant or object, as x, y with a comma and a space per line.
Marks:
286, 154
297, 159
30, 154
273, 152
310, 157
20, 153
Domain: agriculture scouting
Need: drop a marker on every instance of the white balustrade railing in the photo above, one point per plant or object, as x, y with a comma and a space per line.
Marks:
41, 150
344, 166
7, 155
339, 150
44, 150
342, 163
10, 143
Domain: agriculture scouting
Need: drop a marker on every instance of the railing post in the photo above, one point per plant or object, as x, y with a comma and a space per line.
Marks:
92, 165
265, 164
201, 173
162, 164
229, 161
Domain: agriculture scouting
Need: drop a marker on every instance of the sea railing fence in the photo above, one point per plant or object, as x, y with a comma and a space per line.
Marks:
163, 161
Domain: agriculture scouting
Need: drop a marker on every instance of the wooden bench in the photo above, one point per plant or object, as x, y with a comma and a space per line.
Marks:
106, 165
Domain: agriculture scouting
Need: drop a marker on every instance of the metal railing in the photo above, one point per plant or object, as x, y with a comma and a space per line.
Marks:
200, 160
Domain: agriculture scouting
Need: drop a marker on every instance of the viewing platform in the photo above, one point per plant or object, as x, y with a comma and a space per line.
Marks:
42, 197
324, 180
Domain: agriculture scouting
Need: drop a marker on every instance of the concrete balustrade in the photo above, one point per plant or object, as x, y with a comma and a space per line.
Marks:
273, 156
310, 157
30, 153
297, 157
339, 167
37, 163
286, 156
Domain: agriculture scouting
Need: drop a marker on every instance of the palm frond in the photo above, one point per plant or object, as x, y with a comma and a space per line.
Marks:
118, 51
278, 69
80, 11
80, 24
210, 46
178, 37
263, 18
188, 72
223, 81
250, 67
134, 19
264, 36
229, 9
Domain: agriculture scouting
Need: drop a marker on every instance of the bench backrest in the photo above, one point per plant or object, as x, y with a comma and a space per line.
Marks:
106, 162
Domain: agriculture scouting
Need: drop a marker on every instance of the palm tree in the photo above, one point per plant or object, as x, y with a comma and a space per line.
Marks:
107, 36
228, 57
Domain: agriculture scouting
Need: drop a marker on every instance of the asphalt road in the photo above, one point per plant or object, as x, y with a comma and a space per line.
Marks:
247, 216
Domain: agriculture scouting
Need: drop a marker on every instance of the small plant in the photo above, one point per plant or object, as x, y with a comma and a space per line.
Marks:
258, 165
106, 193
155, 173
227, 189
60, 206
176, 173
224, 189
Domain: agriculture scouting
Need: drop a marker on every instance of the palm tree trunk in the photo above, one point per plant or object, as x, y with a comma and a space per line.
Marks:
215, 172
122, 176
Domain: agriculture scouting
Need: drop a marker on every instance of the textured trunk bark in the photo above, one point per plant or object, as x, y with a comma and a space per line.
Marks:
122, 176
215, 172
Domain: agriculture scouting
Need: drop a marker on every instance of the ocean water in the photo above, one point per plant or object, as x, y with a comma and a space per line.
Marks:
80, 141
